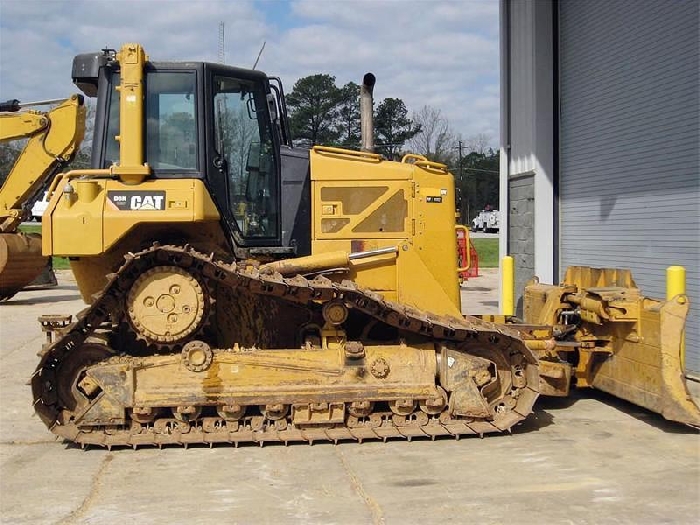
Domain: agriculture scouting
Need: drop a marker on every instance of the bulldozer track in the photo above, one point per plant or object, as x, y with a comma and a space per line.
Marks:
379, 424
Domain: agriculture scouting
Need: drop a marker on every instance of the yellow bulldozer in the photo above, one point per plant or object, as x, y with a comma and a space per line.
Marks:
241, 289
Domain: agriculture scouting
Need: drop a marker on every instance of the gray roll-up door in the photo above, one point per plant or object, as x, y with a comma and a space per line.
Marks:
629, 142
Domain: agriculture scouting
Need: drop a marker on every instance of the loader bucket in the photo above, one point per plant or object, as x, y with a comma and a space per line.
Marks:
645, 367
21, 261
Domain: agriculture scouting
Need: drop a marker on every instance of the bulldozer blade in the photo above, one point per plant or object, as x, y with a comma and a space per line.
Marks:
646, 366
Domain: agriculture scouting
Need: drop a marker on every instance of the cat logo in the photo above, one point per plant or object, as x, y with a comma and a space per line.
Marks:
137, 200
147, 202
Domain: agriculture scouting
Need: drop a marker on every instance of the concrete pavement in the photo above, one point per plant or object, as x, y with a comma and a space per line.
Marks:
480, 294
586, 459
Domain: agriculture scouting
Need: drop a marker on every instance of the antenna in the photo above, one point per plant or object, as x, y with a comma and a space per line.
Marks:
222, 40
259, 53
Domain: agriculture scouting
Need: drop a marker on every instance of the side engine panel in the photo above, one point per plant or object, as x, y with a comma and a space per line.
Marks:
362, 203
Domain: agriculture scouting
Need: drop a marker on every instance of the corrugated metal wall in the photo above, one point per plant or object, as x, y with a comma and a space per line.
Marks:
522, 117
629, 136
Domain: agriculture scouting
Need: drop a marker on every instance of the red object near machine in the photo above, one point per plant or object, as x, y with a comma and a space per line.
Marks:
466, 259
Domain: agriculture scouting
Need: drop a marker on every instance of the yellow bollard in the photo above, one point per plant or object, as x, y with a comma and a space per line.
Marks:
507, 286
675, 281
675, 285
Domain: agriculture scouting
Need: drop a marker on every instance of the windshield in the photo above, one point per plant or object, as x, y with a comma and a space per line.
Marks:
171, 124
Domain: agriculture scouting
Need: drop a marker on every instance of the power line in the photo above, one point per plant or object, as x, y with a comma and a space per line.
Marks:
485, 171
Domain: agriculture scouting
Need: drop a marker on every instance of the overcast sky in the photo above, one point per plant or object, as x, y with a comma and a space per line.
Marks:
440, 53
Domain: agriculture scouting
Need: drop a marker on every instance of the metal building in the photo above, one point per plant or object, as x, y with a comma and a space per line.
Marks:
600, 141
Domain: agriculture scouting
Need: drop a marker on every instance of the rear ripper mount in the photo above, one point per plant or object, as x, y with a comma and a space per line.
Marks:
434, 376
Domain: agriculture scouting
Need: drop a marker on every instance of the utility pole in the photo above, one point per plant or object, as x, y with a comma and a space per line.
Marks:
461, 182
460, 162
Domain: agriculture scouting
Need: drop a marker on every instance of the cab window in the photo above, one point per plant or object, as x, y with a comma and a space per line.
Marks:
244, 147
171, 123
171, 130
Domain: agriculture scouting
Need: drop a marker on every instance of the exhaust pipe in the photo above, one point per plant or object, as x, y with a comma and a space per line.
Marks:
367, 112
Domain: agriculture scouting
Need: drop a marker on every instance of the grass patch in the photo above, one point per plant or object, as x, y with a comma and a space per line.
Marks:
488, 252
59, 263
30, 228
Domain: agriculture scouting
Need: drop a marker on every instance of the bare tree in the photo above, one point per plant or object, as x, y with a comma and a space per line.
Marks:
479, 143
436, 141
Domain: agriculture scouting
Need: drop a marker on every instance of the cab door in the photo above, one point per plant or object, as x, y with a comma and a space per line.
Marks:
243, 156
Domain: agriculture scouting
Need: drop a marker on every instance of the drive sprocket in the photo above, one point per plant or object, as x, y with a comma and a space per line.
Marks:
166, 304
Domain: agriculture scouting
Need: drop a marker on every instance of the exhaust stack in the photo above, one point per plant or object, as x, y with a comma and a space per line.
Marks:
367, 112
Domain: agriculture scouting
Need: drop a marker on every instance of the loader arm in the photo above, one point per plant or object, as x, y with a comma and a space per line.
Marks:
53, 139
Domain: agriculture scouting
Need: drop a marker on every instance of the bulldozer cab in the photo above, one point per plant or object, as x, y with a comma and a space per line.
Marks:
221, 124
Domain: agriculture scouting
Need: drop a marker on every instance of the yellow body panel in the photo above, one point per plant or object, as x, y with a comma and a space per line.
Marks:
85, 222
90, 229
363, 204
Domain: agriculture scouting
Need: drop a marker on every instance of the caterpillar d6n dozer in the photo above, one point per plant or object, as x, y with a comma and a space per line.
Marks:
243, 290
53, 138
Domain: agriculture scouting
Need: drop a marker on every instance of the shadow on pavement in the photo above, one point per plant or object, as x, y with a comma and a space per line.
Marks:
547, 407
642, 414
28, 301
534, 422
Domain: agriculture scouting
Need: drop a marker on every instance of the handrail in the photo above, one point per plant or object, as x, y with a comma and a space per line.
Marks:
422, 162
414, 156
349, 152
466, 240
430, 164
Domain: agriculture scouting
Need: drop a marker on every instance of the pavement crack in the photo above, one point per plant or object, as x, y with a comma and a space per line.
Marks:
95, 486
372, 505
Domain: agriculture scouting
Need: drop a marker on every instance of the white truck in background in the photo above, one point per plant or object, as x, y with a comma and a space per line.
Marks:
40, 206
487, 221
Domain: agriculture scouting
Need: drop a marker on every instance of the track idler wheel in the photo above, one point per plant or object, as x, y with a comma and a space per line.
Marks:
402, 407
360, 409
143, 415
436, 404
275, 412
187, 413
231, 412
74, 389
